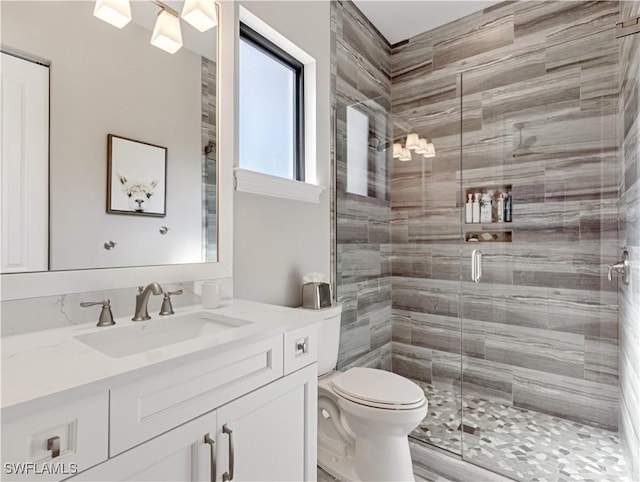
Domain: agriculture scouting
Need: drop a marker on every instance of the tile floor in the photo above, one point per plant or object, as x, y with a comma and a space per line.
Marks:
522, 444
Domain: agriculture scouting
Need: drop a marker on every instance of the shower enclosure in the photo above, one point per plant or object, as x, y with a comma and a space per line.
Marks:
528, 353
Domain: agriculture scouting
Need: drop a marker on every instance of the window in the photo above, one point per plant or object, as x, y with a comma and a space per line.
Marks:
271, 108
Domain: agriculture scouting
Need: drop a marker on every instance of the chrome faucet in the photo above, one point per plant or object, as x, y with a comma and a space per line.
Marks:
142, 301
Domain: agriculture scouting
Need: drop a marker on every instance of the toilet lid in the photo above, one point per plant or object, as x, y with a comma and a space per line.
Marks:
378, 388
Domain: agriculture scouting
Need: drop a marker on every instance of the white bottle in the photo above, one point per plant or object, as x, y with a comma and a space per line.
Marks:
469, 209
501, 208
475, 209
485, 208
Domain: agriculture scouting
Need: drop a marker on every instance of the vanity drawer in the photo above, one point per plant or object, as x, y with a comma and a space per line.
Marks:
300, 348
155, 404
81, 428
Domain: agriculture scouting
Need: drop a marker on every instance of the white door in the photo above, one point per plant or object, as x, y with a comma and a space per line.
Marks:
24, 166
182, 455
271, 432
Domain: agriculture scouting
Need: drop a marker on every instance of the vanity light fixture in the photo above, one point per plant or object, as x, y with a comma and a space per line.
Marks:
166, 33
115, 12
201, 14
413, 143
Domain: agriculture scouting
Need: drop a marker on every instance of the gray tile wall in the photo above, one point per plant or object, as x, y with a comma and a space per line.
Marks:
209, 165
629, 295
541, 329
360, 72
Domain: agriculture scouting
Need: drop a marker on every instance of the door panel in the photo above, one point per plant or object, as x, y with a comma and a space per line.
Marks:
268, 427
24, 166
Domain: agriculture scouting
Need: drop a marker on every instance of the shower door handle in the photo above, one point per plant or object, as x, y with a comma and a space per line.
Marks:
476, 266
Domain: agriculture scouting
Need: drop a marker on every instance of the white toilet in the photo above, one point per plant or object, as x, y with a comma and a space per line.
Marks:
364, 415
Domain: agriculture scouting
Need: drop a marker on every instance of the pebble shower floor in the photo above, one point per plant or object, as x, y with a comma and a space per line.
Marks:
522, 444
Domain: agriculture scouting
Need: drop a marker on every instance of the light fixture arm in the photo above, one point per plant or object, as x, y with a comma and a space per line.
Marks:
166, 7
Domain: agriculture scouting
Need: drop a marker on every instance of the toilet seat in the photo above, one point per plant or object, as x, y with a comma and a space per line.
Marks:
378, 389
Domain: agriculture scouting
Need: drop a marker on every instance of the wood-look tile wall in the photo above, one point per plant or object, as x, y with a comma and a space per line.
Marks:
629, 295
209, 170
361, 64
529, 91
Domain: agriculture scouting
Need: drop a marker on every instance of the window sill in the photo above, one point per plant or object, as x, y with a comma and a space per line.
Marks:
274, 186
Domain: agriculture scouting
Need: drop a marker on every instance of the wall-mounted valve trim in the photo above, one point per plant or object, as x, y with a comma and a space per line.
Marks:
622, 268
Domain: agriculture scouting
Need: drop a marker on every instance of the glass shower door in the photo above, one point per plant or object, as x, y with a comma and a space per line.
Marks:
539, 176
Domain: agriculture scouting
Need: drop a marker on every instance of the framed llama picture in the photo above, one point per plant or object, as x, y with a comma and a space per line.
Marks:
136, 177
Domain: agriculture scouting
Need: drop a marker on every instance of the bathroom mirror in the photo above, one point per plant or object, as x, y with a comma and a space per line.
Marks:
127, 140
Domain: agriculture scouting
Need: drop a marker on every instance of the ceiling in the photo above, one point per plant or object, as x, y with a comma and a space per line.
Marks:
398, 20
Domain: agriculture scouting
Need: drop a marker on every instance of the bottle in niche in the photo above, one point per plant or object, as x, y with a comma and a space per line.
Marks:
485, 208
508, 208
468, 218
501, 208
475, 208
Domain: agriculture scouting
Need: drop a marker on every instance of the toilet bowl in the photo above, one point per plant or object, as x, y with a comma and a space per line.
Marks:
364, 415
364, 418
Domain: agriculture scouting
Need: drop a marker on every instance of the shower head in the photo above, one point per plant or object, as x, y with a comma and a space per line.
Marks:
524, 147
378, 145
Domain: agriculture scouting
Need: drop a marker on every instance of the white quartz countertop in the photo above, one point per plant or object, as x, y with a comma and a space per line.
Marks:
40, 366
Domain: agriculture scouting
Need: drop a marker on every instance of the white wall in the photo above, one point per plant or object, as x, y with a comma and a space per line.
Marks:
105, 80
277, 241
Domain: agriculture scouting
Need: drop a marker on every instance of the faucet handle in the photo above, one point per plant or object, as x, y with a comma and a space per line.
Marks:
167, 307
106, 317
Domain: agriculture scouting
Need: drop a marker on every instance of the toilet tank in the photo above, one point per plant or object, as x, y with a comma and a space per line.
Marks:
328, 339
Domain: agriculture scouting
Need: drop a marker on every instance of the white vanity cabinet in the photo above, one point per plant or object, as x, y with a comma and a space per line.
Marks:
246, 415
267, 435
236, 406
178, 455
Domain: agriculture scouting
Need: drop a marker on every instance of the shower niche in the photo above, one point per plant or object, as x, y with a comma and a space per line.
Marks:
488, 213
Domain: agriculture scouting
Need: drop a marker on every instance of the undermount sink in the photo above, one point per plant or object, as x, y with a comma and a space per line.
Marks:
158, 332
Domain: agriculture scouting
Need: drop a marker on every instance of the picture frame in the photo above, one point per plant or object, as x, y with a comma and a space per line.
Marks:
136, 177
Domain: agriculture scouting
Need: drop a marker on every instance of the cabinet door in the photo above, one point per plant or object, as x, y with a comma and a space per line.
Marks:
272, 431
178, 455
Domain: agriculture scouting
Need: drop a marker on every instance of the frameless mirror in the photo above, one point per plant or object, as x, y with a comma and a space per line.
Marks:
108, 142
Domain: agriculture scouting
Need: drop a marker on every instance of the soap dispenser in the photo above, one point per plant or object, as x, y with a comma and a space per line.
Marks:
475, 208
469, 209
501, 208
486, 208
